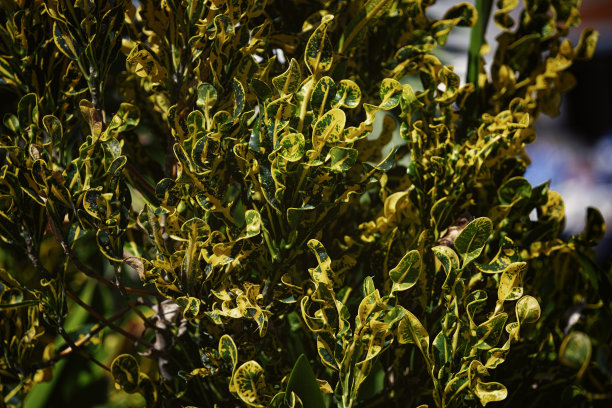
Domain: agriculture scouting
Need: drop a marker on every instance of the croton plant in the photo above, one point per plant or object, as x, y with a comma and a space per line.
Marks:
197, 209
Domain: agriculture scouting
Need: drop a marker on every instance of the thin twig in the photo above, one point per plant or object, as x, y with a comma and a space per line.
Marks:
107, 322
86, 269
72, 345
68, 350
33, 256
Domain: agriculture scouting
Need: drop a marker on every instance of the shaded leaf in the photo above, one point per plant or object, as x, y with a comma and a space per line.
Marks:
303, 382
487, 333
126, 372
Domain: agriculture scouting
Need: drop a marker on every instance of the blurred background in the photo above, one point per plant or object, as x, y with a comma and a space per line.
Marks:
573, 150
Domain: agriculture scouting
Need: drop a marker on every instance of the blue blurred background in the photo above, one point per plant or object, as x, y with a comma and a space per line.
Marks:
573, 150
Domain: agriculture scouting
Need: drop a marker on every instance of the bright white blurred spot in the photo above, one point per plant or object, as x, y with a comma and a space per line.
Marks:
280, 55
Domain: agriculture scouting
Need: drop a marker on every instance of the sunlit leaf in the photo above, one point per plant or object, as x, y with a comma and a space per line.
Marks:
289, 81
472, 239
319, 51
249, 382
411, 330
407, 271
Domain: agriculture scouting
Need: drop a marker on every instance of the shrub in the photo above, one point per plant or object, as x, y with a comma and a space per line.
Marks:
203, 180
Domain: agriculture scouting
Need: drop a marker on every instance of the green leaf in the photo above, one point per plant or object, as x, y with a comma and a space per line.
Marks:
322, 273
514, 190
105, 244
326, 355
126, 118
328, 129
527, 310
65, 42
342, 159
18, 305
447, 257
27, 110
595, 228
575, 351
319, 52
490, 392
473, 302
390, 93
148, 389
126, 372
487, 333
289, 81
239, 98
441, 350
508, 280
406, 274
322, 95
53, 126
278, 113
441, 211
303, 382
253, 223
228, 351
249, 383
292, 146
458, 383
357, 28
348, 95
207, 98
261, 89
472, 239
190, 305
411, 330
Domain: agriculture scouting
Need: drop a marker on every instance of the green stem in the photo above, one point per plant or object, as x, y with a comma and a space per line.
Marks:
477, 39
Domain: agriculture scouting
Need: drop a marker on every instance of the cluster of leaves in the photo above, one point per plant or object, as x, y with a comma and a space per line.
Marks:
242, 151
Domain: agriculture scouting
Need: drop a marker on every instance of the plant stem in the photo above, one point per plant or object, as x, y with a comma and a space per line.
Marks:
477, 39
107, 322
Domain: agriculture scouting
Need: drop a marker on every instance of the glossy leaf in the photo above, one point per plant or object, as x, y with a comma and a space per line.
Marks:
472, 239
328, 128
289, 81
348, 95
509, 278
292, 147
342, 159
527, 310
490, 392
390, 93
488, 333
65, 42
249, 382
228, 350
407, 271
411, 330
322, 95
319, 51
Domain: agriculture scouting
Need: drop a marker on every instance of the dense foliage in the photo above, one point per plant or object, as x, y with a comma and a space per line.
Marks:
193, 199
